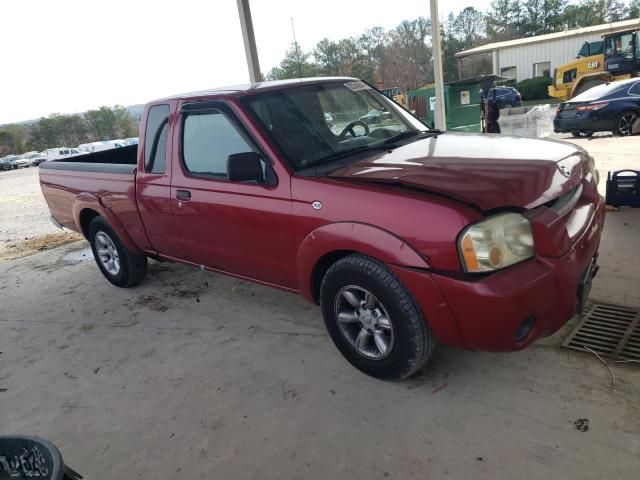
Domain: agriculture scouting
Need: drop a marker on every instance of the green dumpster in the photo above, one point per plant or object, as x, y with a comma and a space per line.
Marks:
461, 102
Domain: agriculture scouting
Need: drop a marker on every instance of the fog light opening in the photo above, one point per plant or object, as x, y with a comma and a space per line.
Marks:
525, 328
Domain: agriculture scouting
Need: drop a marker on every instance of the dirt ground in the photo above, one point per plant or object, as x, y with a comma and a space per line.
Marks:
170, 380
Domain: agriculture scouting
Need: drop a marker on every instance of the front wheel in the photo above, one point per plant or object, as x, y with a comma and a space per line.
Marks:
373, 320
117, 263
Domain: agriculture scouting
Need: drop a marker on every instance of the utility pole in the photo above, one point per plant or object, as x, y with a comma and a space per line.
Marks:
441, 118
250, 50
295, 43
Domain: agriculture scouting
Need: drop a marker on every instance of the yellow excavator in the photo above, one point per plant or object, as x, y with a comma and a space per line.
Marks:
616, 57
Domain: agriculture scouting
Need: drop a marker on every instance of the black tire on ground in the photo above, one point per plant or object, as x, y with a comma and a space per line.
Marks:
132, 267
624, 123
581, 134
413, 342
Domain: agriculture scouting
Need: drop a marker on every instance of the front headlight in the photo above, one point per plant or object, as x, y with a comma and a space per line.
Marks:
495, 243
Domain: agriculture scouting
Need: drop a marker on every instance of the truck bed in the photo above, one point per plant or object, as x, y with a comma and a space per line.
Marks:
105, 179
116, 160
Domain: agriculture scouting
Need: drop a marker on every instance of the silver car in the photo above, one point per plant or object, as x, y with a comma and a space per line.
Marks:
19, 160
9, 163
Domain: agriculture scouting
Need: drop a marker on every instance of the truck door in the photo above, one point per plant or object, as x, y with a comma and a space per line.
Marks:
153, 182
238, 227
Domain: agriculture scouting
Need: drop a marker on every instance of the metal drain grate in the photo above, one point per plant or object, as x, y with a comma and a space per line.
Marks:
609, 330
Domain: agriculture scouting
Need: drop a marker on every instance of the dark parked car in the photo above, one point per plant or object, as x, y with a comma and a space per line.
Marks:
506, 97
613, 107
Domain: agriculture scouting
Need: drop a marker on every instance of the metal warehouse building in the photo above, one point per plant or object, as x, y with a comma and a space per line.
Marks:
538, 56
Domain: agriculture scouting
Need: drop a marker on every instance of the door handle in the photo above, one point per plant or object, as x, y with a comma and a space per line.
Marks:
183, 195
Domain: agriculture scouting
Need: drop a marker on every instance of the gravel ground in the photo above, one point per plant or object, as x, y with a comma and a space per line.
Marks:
24, 214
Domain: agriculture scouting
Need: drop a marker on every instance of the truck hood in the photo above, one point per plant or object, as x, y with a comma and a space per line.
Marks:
487, 171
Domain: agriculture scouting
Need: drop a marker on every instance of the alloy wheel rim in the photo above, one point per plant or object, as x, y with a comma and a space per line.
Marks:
107, 253
364, 322
625, 125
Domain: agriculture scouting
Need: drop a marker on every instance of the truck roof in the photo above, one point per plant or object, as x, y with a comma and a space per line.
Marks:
248, 88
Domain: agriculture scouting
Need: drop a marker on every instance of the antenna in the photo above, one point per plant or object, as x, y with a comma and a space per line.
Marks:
295, 43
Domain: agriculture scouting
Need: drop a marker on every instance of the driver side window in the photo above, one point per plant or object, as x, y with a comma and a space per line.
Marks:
208, 140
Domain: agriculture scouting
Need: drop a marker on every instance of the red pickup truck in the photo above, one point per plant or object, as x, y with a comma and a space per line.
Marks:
402, 234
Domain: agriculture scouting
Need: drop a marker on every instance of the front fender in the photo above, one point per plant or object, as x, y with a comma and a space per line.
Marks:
352, 236
84, 201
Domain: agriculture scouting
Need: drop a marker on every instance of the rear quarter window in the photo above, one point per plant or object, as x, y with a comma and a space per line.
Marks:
155, 139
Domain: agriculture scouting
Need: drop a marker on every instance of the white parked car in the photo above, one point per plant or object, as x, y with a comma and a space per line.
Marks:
35, 158
93, 147
100, 146
116, 143
61, 152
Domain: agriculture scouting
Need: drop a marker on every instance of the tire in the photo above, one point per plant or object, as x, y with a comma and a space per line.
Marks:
582, 134
624, 123
409, 339
106, 244
586, 85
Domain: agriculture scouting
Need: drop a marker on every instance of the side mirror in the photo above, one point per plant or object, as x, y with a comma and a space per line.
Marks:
245, 167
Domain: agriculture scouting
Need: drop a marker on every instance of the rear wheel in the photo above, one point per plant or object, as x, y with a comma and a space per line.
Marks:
373, 320
625, 122
117, 263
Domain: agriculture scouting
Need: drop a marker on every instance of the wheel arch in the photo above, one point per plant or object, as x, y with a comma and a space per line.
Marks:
85, 218
326, 245
86, 207
604, 76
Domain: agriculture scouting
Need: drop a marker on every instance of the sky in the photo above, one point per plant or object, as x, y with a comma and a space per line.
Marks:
68, 56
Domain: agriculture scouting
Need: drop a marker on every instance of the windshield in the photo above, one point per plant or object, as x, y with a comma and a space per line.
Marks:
620, 45
314, 125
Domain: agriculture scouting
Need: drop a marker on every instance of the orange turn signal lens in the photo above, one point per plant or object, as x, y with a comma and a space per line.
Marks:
469, 254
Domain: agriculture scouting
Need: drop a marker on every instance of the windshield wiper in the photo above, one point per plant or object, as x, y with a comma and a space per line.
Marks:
387, 144
409, 134
331, 159
344, 153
